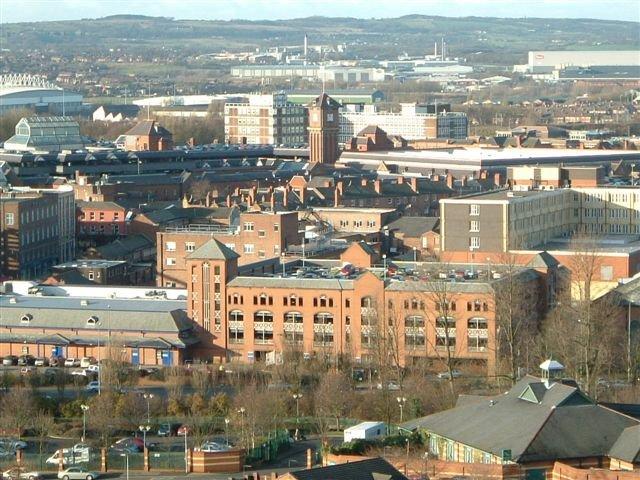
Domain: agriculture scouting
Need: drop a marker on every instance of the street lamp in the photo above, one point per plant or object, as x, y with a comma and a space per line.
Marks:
148, 397
297, 397
84, 420
126, 456
384, 266
226, 430
186, 455
144, 429
283, 264
241, 411
415, 258
401, 402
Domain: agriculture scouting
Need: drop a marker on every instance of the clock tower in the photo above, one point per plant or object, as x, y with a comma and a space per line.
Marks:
324, 124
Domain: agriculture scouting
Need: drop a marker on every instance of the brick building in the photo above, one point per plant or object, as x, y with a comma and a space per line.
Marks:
102, 220
37, 230
144, 188
256, 236
324, 124
245, 318
148, 135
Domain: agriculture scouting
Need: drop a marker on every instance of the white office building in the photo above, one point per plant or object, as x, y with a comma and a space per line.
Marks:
412, 122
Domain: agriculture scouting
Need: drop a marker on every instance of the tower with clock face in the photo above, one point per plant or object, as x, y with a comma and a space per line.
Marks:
324, 124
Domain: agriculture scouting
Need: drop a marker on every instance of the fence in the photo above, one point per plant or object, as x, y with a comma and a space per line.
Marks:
269, 449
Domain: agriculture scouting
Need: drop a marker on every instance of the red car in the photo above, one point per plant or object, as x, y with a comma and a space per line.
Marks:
184, 429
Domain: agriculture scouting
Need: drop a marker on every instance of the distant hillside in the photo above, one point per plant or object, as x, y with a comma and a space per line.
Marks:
503, 40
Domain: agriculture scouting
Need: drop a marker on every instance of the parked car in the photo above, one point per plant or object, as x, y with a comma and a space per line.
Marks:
85, 362
93, 386
77, 473
12, 444
10, 360
41, 362
19, 473
24, 360
79, 453
454, 374
72, 362
128, 445
167, 429
56, 361
390, 386
213, 447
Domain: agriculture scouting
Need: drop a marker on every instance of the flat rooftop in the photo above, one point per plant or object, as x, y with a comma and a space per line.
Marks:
97, 263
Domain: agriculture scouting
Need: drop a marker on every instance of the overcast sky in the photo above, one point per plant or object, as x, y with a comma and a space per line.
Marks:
38, 10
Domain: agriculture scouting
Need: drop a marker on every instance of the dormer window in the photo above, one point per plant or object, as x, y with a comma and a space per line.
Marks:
26, 319
92, 321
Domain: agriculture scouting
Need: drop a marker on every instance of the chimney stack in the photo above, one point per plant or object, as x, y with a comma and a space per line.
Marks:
497, 179
449, 180
337, 198
414, 184
377, 185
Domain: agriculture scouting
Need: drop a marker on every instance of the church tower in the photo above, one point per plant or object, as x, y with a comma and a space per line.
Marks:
324, 123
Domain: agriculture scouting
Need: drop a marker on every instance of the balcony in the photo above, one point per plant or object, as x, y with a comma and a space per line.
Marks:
263, 341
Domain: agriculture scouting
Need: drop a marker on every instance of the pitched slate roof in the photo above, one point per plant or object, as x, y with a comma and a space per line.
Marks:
627, 447
148, 127
559, 422
415, 226
369, 469
543, 260
214, 250
124, 246
324, 100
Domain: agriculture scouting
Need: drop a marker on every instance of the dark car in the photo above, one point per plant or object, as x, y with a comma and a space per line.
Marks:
167, 429
25, 360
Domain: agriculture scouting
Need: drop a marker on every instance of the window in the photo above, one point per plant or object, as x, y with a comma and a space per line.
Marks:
468, 455
248, 226
249, 248
433, 445
171, 261
92, 321
190, 246
474, 226
276, 227
26, 318
171, 246
90, 275
8, 218
474, 210
261, 254
474, 242
262, 233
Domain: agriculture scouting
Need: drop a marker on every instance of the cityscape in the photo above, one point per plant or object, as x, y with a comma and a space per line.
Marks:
319, 240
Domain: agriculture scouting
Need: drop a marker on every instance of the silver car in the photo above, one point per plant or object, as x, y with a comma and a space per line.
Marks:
18, 473
77, 473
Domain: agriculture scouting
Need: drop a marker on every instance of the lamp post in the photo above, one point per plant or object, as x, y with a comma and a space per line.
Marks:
226, 430
384, 266
415, 258
283, 265
148, 397
144, 429
401, 402
297, 397
126, 456
186, 455
84, 420
241, 411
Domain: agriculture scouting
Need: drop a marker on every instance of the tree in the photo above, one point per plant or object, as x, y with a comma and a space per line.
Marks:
331, 402
515, 314
42, 424
584, 331
17, 410
102, 416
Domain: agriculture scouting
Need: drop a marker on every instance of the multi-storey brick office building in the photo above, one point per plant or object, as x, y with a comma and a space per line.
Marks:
256, 236
243, 318
37, 230
484, 227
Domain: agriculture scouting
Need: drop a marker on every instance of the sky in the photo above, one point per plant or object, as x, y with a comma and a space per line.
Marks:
40, 10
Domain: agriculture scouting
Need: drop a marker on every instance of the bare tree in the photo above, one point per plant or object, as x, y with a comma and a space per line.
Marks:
42, 424
331, 402
516, 313
17, 410
102, 416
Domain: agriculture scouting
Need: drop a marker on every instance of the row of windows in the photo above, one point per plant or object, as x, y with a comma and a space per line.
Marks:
101, 216
36, 214
322, 318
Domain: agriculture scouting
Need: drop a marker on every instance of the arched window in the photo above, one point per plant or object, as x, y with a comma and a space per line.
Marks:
92, 321
236, 316
366, 302
414, 321
263, 316
477, 322
293, 317
323, 318
26, 318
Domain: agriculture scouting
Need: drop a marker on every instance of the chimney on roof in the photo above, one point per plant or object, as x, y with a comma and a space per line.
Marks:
483, 174
377, 185
272, 202
400, 179
497, 178
229, 200
449, 180
364, 182
518, 141
337, 194
414, 183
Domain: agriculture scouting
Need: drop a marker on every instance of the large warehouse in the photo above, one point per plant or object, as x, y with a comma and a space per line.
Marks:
37, 94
